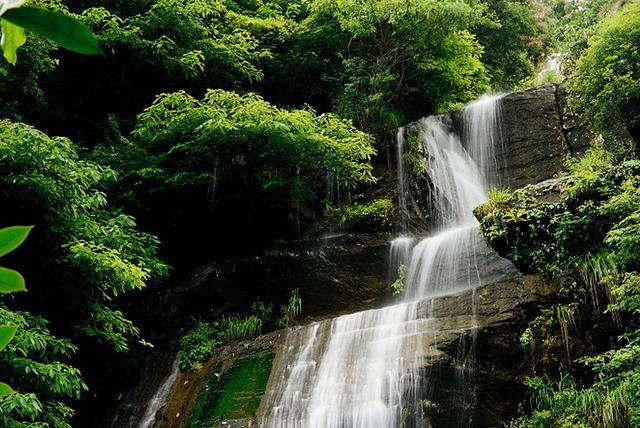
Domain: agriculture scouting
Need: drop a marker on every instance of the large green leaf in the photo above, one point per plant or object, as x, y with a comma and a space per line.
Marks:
12, 38
62, 29
12, 237
5, 389
6, 334
11, 281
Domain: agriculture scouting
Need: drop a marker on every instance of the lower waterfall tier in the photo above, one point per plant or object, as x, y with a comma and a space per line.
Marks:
430, 378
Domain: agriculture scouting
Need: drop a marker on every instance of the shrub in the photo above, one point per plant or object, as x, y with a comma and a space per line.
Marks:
592, 234
290, 311
398, 286
197, 345
374, 216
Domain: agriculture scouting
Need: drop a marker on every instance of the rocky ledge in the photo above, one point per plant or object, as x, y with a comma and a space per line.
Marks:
493, 375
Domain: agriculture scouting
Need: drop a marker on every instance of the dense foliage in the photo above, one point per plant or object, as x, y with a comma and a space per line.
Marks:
252, 163
379, 63
85, 254
83, 257
223, 126
510, 40
606, 83
40, 383
570, 24
32, 364
590, 234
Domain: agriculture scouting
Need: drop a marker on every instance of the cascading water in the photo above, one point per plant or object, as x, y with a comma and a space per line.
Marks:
160, 397
363, 369
141, 405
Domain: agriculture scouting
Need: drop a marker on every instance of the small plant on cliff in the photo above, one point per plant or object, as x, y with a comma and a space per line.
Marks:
291, 310
374, 216
197, 345
398, 286
236, 327
262, 310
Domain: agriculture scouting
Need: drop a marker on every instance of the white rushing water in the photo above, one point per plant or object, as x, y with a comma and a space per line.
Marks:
361, 370
160, 397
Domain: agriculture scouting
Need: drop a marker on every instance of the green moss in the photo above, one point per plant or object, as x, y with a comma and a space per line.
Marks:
235, 394
375, 215
414, 153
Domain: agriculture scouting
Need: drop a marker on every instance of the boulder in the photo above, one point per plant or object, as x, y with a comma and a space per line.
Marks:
533, 139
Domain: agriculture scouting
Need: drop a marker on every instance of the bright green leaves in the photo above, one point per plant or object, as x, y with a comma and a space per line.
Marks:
57, 27
5, 389
606, 80
12, 237
11, 281
225, 127
13, 37
100, 251
61, 29
6, 335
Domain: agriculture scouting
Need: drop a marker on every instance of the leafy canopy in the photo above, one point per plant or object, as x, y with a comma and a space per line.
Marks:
606, 81
275, 146
85, 255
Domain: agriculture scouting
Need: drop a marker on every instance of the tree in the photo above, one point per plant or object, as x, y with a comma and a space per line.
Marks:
507, 35
256, 163
606, 82
385, 62
83, 254
29, 357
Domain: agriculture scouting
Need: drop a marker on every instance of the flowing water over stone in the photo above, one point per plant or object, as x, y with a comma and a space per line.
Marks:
141, 405
159, 399
364, 369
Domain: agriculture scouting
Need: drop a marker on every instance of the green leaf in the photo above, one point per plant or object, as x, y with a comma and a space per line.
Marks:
59, 28
6, 335
11, 281
12, 38
12, 237
5, 389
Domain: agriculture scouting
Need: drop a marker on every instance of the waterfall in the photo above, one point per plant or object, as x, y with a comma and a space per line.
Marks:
402, 179
363, 369
159, 399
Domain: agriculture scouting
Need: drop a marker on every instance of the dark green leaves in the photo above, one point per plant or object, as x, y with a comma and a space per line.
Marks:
57, 27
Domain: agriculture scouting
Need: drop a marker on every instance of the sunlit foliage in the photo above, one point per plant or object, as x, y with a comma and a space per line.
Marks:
606, 82
84, 255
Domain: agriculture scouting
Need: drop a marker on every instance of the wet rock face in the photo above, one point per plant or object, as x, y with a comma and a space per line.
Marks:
335, 276
538, 132
534, 145
475, 373
469, 363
